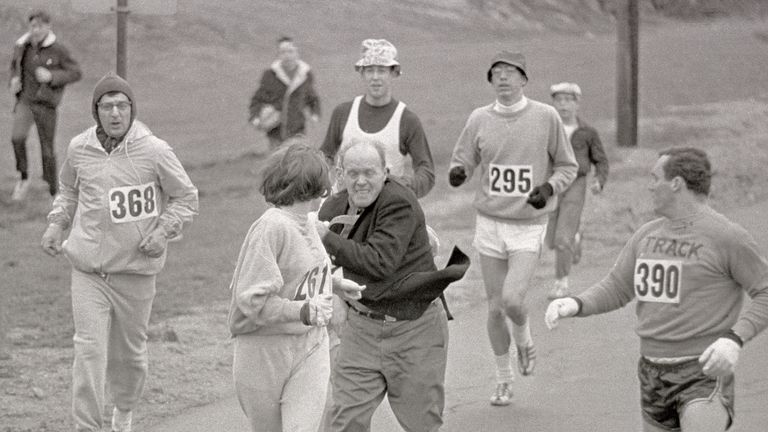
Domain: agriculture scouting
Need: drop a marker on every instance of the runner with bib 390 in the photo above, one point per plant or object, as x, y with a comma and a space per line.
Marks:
689, 271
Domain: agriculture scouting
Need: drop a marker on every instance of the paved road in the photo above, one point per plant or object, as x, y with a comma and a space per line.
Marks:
584, 382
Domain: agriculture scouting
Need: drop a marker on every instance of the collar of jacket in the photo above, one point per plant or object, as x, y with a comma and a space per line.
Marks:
137, 131
48, 41
302, 69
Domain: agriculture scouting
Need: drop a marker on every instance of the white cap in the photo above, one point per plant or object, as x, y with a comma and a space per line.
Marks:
565, 87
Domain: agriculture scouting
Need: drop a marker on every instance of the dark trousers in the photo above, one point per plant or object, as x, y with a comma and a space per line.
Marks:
44, 118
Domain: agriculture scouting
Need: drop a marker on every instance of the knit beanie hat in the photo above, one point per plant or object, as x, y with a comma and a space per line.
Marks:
108, 84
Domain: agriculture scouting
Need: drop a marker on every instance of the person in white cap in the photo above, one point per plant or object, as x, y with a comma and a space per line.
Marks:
689, 270
377, 116
563, 229
123, 195
524, 159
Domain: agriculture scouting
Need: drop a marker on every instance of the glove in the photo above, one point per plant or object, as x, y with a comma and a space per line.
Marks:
539, 195
339, 317
457, 176
560, 308
596, 187
317, 311
43, 75
15, 86
719, 359
346, 288
51, 242
155, 243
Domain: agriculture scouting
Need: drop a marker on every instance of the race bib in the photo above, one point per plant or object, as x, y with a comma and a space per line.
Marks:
132, 203
658, 281
315, 281
510, 180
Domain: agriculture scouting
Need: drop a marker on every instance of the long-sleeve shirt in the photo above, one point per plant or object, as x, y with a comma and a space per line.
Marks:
281, 264
588, 150
111, 201
515, 152
412, 139
689, 276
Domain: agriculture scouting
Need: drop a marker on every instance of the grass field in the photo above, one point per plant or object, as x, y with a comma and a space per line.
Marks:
701, 84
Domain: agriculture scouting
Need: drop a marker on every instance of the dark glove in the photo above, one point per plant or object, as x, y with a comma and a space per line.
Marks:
539, 195
456, 176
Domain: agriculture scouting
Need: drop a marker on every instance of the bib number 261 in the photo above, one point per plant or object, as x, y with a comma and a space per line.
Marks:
658, 281
510, 180
132, 203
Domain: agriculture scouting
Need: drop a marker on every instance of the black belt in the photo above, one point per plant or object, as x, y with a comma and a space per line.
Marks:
374, 315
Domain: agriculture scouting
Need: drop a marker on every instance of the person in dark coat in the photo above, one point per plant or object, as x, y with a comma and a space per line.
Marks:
286, 96
40, 69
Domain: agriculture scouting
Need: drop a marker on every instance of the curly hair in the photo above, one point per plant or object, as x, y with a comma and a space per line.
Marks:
295, 174
690, 164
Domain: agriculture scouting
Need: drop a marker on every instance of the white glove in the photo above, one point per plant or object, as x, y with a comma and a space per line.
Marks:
51, 241
15, 85
596, 187
155, 243
43, 75
317, 311
560, 308
719, 359
346, 288
339, 317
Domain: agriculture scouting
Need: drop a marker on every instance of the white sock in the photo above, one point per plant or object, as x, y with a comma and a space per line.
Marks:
522, 333
562, 282
504, 372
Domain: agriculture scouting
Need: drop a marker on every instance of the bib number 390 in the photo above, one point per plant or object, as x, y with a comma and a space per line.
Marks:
658, 280
132, 203
510, 180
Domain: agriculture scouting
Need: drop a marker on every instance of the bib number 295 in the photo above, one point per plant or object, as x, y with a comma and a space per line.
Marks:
510, 180
132, 203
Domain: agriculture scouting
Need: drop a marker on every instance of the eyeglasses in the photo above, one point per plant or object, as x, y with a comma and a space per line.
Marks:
108, 107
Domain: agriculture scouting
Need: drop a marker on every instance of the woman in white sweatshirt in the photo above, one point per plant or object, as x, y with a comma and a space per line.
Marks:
282, 299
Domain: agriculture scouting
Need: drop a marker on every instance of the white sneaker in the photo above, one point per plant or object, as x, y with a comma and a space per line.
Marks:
20, 190
121, 420
502, 396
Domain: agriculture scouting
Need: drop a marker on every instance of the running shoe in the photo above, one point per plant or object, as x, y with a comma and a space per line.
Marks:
20, 190
526, 359
502, 396
121, 420
559, 290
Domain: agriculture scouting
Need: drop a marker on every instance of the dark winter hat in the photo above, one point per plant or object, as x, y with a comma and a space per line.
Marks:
40, 15
110, 83
511, 58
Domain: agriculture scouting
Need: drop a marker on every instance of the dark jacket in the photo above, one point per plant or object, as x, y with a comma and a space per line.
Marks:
388, 251
588, 150
51, 55
289, 96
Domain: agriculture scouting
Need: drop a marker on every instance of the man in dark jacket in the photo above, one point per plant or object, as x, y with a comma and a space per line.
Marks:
40, 69
563, 228
286, 95
396, 337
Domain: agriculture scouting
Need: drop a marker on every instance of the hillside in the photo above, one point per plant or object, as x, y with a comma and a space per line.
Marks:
236, 25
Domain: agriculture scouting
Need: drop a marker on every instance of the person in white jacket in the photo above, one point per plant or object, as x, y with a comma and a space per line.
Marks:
122, 195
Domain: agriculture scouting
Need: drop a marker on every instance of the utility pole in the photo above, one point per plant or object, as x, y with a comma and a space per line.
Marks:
122, 45
627, 23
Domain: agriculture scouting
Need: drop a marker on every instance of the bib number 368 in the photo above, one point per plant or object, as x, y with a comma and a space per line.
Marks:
132, 203
510, 180
658, 280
